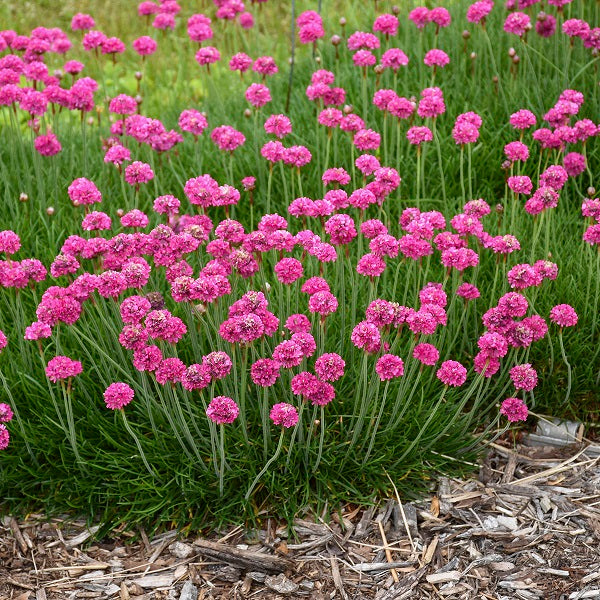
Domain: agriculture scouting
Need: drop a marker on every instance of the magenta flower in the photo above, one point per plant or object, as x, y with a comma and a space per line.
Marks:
258, 94
284, 414
563, 315
452, 373
207, 56
83, 191
288, 270
9, 242
117, 395
517, 23
196, 377
6, 413
4, 437
62, 367
138, 172
265, 372
389, 366
436, 58
330, 366
524, 377
427, 354
144, 45
514, 410
222, 410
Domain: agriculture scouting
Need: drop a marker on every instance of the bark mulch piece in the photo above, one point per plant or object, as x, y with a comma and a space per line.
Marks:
528, 527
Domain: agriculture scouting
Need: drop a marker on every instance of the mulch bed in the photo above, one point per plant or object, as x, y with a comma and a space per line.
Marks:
528, 527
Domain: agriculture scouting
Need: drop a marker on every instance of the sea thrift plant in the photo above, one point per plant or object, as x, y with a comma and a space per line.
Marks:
290, 265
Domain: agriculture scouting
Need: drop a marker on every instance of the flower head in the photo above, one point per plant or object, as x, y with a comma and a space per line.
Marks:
222, 410
117, 395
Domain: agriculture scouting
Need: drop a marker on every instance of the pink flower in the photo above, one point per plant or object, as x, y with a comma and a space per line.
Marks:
207, 55
366, 335
288, 270
419, 134
240, 62
169, 370
144, 45
227, 138
278, 125
192, 121
147, 359
265, 65
117, 154
394, 58
440, 16
62, 367
330, 366
427, 354
265, 372
366, 139
9, 242
452, 373
83, 191
514, 409
362, 40
4, 437
82, 21
6, 413
478, 11
298, 323
419, 16
520, 184
524, 377
386, 24
517, 23
47, 145
218, 364
258, 95
522, 119
464, 132
516, 151
574, 163
370, 265
563, 315
117, 395
196, 377
284, 414
288, 354
522, 276
222, 410
36, 331
138, 172
436, 58
389, 366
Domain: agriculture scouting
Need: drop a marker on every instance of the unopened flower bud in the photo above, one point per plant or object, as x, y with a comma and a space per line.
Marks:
336, 40
516, 60
138, 75
395, 10
348, 108
591, 191
466, 34
499, 209
511, 52
378, 69
120, 212
473, 55
23, 197
342, 21
50, 210
247, 113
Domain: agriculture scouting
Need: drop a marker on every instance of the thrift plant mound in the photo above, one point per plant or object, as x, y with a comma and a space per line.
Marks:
263, 284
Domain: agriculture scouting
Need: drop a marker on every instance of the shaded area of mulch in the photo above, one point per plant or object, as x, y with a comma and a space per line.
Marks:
528, 527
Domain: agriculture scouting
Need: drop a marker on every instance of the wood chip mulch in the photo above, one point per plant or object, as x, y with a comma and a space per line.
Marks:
528, 527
